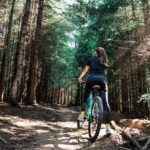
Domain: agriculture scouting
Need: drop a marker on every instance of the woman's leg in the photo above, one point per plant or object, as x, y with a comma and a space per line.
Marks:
86, 95
83, 104
107, 112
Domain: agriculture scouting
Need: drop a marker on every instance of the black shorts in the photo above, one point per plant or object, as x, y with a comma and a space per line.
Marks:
95, 79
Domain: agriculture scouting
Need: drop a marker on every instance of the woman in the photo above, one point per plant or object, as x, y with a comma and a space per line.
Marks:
97, 65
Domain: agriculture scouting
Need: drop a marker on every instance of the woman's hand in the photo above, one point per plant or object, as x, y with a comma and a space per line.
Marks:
80, 80
85, 70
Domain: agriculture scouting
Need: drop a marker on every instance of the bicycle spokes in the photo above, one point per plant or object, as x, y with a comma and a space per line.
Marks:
95, 111
96, 118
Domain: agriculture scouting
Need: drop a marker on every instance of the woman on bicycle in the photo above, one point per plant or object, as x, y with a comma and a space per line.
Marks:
97, 65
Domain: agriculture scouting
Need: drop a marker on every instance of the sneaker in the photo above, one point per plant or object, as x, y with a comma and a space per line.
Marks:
108, 129
81, 116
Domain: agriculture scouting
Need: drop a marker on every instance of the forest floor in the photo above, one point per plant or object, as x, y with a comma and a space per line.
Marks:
49, 127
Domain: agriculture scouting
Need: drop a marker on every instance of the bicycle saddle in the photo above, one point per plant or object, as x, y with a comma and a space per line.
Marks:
98, 87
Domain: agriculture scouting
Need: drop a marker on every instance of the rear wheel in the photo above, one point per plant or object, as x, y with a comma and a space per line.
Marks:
95, 120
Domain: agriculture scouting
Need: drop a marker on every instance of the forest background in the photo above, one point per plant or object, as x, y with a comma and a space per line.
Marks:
44, 44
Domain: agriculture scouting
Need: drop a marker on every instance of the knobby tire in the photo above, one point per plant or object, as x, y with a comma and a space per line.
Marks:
97, 100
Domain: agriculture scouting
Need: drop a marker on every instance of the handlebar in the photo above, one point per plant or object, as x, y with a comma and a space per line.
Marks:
83, 82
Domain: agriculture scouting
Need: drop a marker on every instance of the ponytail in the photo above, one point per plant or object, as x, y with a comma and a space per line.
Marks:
102, 56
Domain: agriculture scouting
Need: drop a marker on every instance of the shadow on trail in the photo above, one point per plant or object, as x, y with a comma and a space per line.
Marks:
41, 124
41, 112
42, 128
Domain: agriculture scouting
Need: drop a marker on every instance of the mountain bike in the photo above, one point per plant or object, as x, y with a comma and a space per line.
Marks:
94, 113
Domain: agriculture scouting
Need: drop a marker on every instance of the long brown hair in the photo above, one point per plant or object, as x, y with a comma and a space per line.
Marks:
101, 54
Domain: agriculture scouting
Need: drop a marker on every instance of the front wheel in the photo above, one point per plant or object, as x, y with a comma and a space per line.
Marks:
95, 120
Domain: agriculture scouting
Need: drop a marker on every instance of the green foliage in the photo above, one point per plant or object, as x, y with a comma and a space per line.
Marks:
103, 22
96, 27
58, 52
93, 23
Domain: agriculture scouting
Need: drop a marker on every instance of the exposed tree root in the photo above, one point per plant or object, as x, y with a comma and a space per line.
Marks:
4, 141
130, 138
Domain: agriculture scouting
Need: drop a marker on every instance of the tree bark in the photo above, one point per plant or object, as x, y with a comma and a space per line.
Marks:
31, 28
33, 71
5, 59
138, 146
16, 81
146, 15
133, 8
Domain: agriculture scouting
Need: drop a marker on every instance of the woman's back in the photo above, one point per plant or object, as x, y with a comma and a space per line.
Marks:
96, 67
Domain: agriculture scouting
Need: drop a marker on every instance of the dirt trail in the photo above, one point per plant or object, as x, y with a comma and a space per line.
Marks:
47, 128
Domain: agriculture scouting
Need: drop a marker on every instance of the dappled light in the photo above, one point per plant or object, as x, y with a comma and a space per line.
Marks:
38, 130
74, 74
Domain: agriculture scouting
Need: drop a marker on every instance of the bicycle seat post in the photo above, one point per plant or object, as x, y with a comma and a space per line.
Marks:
96, 89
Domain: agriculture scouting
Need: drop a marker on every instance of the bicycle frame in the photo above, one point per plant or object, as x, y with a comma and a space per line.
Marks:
89, 105
90, 102
93, 113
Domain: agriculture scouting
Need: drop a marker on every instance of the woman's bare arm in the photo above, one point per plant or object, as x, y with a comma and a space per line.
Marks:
85, 70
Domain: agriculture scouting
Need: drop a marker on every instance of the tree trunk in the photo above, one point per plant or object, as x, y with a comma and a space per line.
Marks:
16, 81
133, 9
146, 15
33, 71
41, 89
5, 59
31, 29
